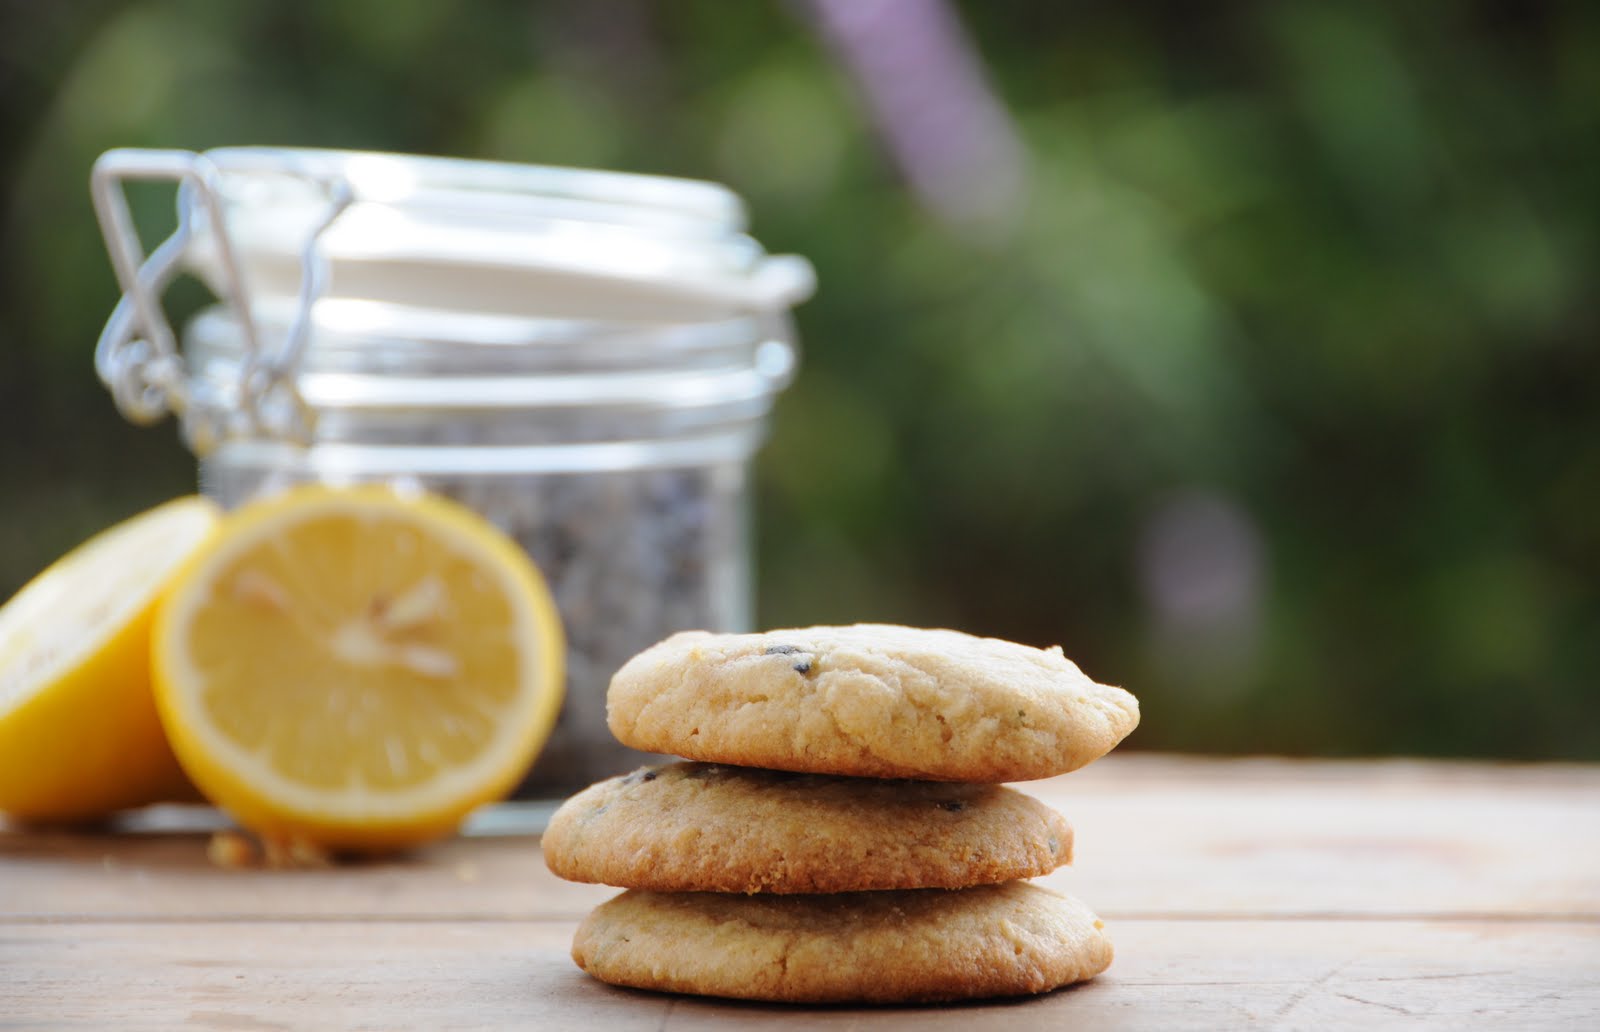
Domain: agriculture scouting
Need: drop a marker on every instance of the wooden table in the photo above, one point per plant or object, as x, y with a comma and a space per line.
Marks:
1239, 893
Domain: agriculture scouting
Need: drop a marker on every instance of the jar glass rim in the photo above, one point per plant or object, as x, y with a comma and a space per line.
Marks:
374, 327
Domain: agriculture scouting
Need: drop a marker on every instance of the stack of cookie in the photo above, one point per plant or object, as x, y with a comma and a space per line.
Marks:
840, 834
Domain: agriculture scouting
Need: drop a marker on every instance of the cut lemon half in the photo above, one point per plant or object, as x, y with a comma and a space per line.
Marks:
356, 669
79, 736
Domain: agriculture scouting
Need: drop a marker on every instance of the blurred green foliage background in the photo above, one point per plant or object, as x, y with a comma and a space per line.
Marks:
1277, 402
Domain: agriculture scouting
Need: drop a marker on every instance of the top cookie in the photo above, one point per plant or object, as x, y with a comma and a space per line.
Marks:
872, 700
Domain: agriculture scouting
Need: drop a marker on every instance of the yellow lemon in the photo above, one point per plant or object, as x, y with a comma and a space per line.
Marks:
357, 669
79, 736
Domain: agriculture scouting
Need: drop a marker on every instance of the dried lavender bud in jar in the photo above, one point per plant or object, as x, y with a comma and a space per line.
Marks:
630, 557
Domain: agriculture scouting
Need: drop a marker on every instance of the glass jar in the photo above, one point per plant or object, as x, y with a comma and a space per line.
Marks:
585, 358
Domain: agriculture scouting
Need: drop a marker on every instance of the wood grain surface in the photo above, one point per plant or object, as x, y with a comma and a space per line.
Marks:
1259, 893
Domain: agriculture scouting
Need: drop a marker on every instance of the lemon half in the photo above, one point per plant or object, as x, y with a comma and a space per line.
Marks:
357, 669
79, 736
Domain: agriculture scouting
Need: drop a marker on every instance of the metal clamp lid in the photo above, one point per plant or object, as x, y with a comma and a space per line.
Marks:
430, 233
137, 355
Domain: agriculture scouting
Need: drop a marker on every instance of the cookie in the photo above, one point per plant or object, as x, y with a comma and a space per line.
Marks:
870, 700
696, 827
917, 945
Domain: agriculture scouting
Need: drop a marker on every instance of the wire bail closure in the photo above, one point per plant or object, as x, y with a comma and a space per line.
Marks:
137, 355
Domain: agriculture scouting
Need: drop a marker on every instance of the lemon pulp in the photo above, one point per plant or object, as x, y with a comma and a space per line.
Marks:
358, 668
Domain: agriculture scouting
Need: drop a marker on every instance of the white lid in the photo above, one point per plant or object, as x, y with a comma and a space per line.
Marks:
493, 238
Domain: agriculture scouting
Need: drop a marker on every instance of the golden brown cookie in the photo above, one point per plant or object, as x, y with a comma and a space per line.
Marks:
869, 947
870, 700
696, 827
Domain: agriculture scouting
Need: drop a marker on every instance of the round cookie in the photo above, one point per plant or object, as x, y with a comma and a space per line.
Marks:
695, 827
871, 700
870, 947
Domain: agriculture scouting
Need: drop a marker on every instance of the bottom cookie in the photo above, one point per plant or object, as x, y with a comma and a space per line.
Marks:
913, 945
